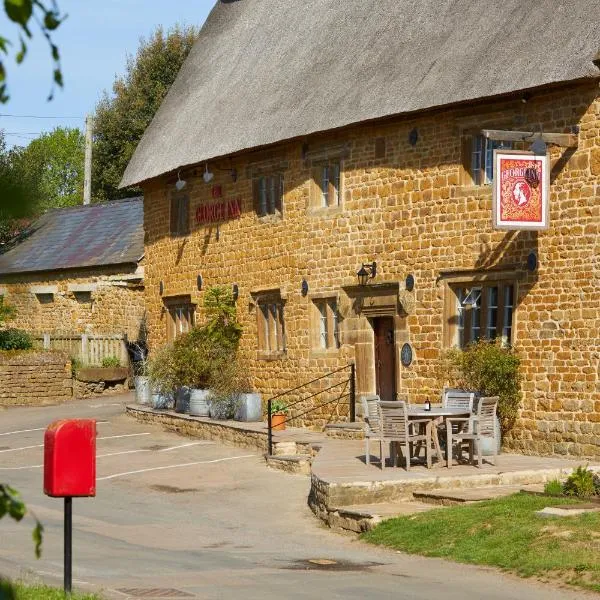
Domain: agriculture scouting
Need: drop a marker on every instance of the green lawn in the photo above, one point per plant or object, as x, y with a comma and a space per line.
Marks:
22, 591
504, 533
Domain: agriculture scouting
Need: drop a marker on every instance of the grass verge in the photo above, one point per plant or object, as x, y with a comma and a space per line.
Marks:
504, 533
24, 591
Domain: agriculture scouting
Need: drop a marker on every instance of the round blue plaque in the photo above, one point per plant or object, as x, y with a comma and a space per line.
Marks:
406, 355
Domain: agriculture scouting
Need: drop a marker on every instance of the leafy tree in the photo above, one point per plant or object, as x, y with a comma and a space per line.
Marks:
122, 118
47, 16
52, 167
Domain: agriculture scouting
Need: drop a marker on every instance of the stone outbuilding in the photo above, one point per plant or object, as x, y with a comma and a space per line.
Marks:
79, 270
303, 142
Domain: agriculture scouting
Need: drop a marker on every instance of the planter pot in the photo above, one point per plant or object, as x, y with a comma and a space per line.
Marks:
223, 409
278, 421
487, 444
143, 391
199, 405
161, 401
182, 400
248, 407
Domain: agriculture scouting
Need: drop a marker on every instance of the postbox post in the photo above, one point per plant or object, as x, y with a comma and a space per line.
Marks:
70, 472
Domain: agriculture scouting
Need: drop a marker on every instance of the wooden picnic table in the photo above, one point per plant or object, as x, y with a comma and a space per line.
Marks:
437, 415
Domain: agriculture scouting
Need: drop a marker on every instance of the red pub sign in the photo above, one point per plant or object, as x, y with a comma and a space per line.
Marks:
521, 190
219, 211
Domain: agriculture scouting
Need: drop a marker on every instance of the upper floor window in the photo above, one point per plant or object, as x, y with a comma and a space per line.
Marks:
326, 321
478, 158
268, 195
328, 179
481, 311
180, 214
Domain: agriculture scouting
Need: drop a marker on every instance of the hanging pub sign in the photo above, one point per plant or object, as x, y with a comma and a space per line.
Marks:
521, 191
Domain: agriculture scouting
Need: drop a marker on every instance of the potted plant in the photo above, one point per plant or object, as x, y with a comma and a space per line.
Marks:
279, 412
139, 360
163, 376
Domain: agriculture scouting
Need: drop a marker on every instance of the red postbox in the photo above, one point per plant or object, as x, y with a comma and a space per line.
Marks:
70, 458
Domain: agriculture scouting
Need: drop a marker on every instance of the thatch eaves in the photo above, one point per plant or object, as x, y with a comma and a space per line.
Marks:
263, 71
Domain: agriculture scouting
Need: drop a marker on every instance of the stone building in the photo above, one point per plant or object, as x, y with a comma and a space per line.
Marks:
316, 139
79, 270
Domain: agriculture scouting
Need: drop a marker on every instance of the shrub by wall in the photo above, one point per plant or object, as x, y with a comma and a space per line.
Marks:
34, 378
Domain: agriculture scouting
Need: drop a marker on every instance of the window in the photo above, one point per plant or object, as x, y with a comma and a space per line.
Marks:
326, 330
268, 195
482, 310
478, 159
271, 330
180, 214
181, 318
327, 180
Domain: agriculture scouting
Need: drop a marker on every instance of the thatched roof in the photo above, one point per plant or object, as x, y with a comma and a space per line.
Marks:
264, 71
97, 235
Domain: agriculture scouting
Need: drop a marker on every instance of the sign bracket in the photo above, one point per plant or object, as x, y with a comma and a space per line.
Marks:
565, 140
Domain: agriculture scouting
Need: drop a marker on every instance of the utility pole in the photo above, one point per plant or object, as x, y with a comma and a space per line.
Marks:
87, 177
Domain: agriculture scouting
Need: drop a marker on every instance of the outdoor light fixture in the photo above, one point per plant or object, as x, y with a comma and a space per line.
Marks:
235, 292
208, 176
180, 183
472, 298
304, 287
366, 272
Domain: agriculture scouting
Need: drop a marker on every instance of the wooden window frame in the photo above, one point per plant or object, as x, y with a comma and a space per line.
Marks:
179, 215
460, 328
270, 317
268, 193
475, 172
181, 317
325, 324
328, 196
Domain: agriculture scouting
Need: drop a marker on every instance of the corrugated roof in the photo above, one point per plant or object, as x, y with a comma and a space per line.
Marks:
264, 71
84, 236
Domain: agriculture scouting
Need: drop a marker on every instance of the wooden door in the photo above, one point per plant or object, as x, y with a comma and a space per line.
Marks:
385, 358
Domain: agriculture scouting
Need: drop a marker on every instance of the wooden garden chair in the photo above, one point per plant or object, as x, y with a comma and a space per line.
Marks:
372, 429
480, 426
402, 433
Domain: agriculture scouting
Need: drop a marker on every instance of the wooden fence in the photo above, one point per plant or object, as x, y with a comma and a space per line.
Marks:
86, 348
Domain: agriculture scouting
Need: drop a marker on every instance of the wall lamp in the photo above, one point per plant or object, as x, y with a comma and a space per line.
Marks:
208, 175
472, 298
180, 183
366, 272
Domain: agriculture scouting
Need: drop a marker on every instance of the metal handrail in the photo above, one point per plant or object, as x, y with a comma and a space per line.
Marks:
351, 395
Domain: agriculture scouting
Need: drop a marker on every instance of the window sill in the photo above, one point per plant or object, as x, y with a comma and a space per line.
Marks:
325, 211
274, 218
470, 191
321, 353
265, 355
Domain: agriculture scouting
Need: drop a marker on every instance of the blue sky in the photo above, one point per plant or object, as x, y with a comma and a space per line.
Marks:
94, 42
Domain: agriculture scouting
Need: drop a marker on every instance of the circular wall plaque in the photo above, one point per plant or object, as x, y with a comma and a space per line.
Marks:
304, 287
406, 355
410, 283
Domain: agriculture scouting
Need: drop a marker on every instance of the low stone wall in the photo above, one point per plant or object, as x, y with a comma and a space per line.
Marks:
35, 378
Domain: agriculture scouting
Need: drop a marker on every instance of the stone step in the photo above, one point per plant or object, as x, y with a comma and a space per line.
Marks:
363, 517
465, 495
290, 463
345, 431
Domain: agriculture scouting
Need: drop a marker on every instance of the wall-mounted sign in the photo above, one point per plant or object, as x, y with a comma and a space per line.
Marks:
219, 211
521, 190
406, 355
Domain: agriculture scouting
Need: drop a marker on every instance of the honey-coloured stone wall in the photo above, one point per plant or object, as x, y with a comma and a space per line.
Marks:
409, 209
107, 300
35, 378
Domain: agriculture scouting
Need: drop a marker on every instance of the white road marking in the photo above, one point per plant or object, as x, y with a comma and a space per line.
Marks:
99, 456
112, 437
192, 464
187, 446
21, 468
41, 429
107, 437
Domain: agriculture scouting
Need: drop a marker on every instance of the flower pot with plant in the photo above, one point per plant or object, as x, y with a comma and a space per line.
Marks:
279, 412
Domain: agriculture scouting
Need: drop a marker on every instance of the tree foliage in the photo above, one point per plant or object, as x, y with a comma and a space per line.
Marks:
47, 17
122, 117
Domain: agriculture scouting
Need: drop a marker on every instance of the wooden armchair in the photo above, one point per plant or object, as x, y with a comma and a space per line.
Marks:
478, 427
401, 433
372, 429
